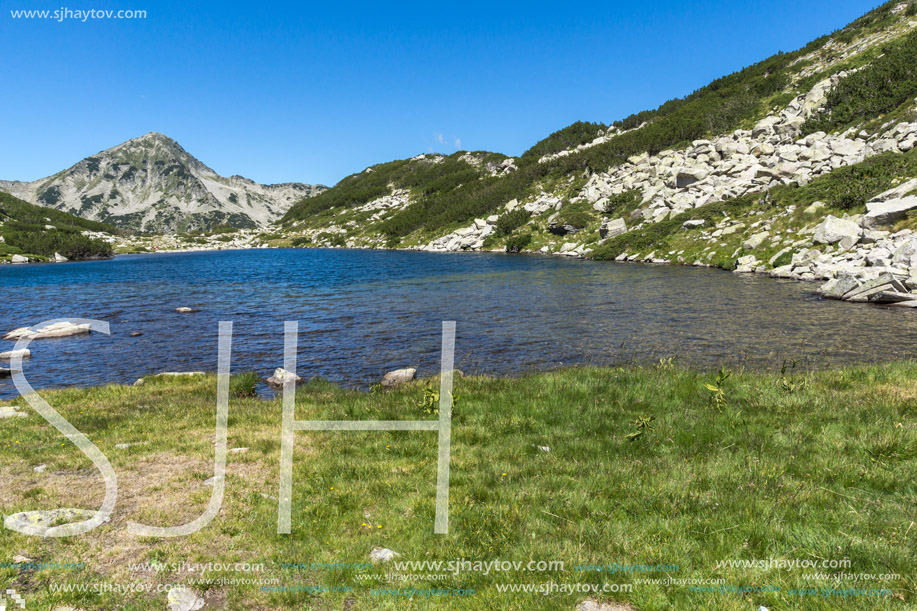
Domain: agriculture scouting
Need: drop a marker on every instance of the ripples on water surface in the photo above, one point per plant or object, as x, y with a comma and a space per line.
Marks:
362, 313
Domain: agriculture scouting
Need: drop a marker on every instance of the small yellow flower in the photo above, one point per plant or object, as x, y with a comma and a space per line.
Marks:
380, 526
504, 475
332, 487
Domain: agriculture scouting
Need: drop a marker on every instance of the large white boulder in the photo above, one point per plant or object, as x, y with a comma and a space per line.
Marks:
612, 227
888, 212
833, 230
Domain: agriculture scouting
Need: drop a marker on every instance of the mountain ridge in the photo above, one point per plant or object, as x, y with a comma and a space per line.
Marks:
152, 184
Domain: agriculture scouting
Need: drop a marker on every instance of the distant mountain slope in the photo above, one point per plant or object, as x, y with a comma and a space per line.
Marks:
562, 169
34, 232
152, 184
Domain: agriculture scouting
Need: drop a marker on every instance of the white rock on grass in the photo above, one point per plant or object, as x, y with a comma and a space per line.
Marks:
8, 411
756, 240
398, 377
833, 230
612, 227
39, 522
382, 555
184, 599
880, 213
594, 605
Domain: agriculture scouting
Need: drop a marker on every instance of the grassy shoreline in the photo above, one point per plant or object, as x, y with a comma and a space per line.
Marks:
813, 466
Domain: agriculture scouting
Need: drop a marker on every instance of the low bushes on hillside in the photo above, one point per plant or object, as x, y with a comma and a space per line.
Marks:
510, 221
880, 87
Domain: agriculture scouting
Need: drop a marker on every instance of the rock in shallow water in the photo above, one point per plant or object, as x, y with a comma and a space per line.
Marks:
281, 376
11, 354
58, 329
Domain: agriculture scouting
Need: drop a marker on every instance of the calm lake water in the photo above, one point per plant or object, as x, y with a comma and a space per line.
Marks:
362, 313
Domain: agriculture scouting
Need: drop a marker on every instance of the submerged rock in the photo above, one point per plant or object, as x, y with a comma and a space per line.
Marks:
184, 310
58, 329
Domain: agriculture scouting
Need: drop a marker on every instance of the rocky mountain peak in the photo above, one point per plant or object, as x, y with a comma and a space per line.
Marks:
150, 183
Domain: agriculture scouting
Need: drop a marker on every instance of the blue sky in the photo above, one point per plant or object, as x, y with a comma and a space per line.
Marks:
312, 92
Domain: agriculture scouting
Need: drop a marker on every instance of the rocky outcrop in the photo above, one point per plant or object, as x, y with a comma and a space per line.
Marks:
833, 230
880, 213
612, 227
745, 161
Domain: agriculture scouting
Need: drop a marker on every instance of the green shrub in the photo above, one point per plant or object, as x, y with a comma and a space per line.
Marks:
880, 87
517, 243
510, 221
301, 241
334, 239
623, 202
576, 218
911, 9
571, 136
852, 186
243, 385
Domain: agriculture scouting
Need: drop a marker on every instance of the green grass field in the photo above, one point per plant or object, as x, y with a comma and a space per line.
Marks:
646, 466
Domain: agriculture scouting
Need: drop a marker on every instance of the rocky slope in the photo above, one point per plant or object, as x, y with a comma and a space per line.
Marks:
814, 182
152, 184
33, 233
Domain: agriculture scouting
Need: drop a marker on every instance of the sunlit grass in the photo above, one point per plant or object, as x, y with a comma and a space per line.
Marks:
815, 465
